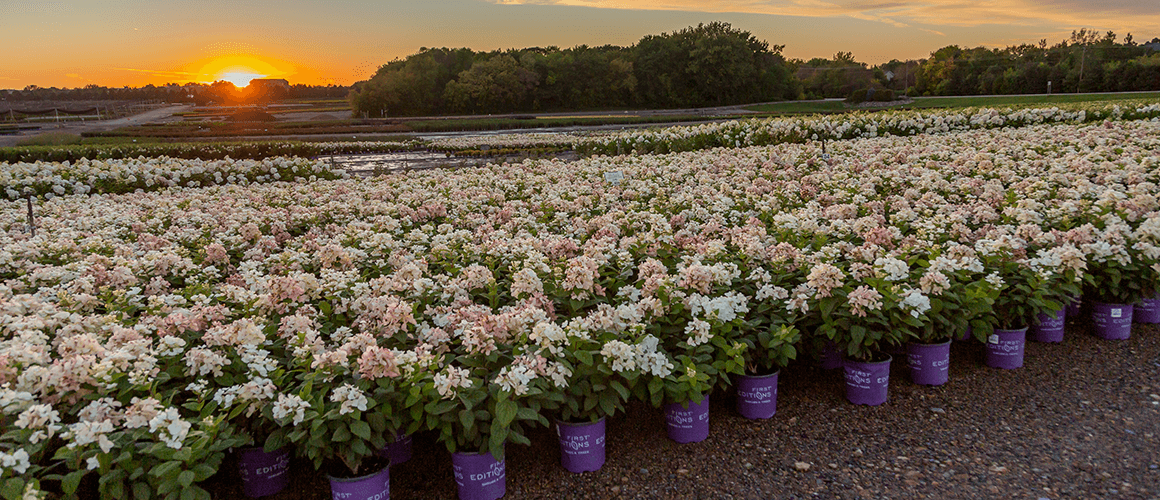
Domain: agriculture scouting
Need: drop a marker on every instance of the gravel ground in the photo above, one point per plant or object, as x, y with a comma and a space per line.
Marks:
1079, 420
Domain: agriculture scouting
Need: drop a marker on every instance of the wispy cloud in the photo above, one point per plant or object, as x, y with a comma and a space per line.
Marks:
1112, 14
162, 73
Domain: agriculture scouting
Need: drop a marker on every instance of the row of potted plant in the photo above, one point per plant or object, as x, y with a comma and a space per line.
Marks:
800, 129
151, 331
237, 150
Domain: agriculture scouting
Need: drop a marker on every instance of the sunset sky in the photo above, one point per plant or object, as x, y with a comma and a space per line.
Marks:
72, 43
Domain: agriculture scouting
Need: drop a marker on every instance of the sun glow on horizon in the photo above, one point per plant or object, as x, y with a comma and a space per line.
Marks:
240, 69
239, 76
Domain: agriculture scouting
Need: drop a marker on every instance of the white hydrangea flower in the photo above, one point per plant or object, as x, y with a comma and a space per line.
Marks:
350, 397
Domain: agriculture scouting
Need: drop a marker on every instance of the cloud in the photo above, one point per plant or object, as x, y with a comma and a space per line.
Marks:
162, 73
1128, 15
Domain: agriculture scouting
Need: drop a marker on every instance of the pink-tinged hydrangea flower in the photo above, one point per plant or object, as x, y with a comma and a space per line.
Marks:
823, 278
526, 283
864, 299
84, 433
200, 362
377, 362
140, 412
448, 382
934, 283
215, 253
515, 378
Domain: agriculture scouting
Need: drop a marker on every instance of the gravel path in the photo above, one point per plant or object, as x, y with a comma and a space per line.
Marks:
1079, 420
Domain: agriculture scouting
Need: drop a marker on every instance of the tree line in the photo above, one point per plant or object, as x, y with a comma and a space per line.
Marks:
715, 64
195, 93
711, 64
707, 65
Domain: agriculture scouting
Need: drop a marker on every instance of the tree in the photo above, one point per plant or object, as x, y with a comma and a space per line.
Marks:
496, 85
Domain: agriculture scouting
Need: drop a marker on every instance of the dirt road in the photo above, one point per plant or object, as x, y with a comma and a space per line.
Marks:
158, 115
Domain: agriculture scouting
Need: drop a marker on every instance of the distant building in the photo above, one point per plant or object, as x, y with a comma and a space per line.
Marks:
269, 84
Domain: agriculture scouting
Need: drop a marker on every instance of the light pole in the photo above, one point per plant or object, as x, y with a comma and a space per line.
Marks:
1082, 56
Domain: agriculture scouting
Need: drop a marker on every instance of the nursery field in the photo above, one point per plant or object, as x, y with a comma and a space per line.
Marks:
159, 314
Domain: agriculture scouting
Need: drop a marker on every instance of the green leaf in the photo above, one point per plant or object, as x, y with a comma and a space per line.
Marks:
203, 471
584, 357
340, 435
498, 437
186, 478
377, 421
467, 418
361, 429
142, 491
13, 489
72, 481
857, 333
505, 412
165, 468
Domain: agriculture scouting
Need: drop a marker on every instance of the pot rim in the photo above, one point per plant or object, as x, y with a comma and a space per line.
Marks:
262, 449
945, 342
767, 375
474, 453
889, 358
1114, 304
580, 424
361, 478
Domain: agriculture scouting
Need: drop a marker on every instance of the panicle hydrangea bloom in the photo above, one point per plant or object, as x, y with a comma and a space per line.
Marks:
350, 398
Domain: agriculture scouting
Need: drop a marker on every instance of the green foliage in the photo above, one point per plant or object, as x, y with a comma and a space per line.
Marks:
250, 150
1087, 62
51, 139
870, 95
707, 65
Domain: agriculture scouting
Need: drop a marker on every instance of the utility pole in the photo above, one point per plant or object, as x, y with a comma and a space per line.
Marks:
1083, 55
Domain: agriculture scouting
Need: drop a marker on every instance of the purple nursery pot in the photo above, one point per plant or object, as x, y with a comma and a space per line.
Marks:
831, 358
1147, 310
929, 363
1005, 348
688, 425
1072, 308
398, 450
581, 445
1050, 327
1112, 321
964, 335
757, 395
479, 476
373, 486
263, 473
867, 382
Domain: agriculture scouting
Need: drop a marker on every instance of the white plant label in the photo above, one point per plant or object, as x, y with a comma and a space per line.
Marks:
994, 339
1117, 313
614, 177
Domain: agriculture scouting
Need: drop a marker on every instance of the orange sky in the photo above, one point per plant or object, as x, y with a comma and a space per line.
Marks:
72, 43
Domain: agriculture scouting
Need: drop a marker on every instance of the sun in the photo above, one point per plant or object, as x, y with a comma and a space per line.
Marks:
240, 69
240, 76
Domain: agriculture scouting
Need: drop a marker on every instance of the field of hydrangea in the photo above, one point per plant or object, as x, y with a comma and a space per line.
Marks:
167, 311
